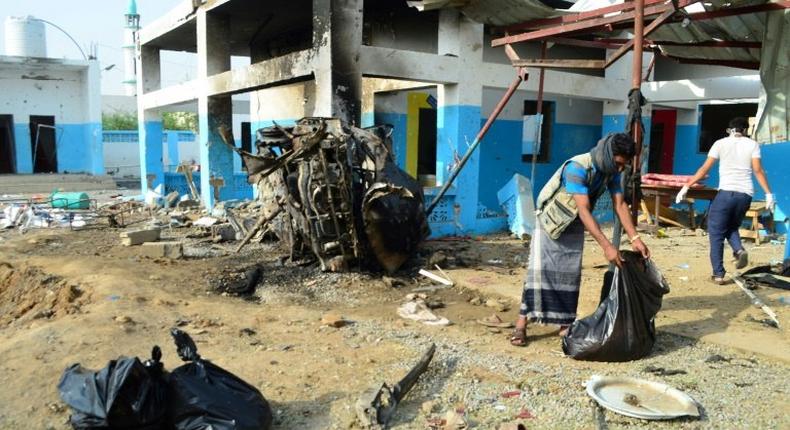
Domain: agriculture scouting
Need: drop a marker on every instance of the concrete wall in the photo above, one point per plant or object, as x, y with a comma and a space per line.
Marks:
65, 89
400, 27
576, 127
670, 70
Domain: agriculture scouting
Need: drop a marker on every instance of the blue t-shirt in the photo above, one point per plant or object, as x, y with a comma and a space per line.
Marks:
574, 178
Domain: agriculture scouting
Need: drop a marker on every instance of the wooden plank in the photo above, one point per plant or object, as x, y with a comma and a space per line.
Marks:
575, 64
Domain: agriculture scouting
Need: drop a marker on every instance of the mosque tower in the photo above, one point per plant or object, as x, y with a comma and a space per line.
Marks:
130, 35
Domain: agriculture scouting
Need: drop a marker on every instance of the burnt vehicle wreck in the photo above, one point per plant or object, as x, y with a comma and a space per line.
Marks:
334, 191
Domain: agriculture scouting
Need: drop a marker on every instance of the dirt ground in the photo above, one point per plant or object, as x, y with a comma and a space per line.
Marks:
80, 296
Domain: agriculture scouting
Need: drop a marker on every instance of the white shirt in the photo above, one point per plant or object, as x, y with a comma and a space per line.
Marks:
735, 155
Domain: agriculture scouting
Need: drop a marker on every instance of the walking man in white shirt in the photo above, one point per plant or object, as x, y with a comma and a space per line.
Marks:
739, 157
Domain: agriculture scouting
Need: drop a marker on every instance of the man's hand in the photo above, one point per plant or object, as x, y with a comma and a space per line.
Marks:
613, 255
682, 194
770, 202
641, 248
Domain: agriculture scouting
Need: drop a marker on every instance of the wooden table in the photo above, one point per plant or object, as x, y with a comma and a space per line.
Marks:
658, 191
753, 214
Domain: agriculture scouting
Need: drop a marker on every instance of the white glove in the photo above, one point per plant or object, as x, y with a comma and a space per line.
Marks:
682, 194
770, 202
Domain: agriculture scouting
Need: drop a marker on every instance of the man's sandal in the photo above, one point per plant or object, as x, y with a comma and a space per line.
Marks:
519, 337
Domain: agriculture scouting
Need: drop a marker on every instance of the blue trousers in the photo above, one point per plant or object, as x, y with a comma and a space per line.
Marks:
724, 219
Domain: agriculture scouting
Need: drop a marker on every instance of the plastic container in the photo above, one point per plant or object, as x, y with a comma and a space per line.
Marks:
75, 200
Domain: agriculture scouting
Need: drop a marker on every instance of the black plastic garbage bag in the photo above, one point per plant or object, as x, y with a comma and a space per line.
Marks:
204, 396
623, 327
127, 394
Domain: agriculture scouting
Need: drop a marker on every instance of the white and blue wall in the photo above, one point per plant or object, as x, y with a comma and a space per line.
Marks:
68, 90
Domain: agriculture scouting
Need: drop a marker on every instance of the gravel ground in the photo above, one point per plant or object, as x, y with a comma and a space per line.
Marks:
733, 390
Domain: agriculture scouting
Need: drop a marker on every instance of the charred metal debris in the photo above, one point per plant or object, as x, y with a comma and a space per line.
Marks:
335, 191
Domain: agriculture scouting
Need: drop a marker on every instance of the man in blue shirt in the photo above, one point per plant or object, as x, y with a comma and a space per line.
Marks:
564, 207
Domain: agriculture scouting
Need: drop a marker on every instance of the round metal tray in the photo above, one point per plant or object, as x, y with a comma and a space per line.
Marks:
639, 398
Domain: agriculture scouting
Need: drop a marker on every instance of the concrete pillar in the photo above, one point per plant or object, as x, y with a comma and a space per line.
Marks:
152, 172
149, 121
337, 34
93, 129
216, 159
458, 115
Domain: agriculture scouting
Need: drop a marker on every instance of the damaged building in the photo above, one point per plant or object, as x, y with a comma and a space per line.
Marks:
432, 73
50, 113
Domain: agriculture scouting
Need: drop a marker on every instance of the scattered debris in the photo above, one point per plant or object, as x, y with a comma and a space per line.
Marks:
454, 421
333, 320
436, 278
524, 414
499, 305
716, 358
774, 321
510, 394
638, 398
205, 221
418, 310
377, 405
660, 371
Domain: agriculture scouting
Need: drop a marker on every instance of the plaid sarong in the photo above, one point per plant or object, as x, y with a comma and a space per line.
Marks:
554, 271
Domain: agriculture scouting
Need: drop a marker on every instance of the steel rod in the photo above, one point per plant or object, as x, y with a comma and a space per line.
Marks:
520, 77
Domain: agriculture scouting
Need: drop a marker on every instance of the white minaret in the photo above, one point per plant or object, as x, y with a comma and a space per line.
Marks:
130, 29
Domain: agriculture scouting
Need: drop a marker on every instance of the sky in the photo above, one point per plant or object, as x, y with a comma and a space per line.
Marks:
97, 22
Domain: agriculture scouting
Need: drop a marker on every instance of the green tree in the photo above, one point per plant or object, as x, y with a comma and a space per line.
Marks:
180, 121
119, 121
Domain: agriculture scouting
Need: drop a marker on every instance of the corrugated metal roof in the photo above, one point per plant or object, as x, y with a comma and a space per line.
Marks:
493, 12
741, 28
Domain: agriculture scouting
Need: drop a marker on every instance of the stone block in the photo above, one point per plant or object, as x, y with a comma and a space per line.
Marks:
137, 237
223, 232
163, 250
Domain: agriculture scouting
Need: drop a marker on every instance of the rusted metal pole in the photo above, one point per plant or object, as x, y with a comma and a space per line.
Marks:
539, 130
636, 83
520, 77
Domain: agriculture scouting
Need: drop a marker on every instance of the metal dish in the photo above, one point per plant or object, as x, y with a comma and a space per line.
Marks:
638, 398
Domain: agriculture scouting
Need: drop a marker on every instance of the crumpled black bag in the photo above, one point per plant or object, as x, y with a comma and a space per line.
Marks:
204, 396
623, 327
126, 394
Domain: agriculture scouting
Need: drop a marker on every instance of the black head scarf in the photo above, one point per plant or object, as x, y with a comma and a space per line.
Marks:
603, 156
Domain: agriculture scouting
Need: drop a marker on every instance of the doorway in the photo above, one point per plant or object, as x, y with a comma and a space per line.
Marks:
662, 141
421, 137
7, 152
42, 144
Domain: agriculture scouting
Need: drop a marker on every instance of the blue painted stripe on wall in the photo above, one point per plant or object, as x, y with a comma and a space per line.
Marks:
78, 147
456, 129
368, 119
500, 154
24, 153
238, 188
398, 121
774, 158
